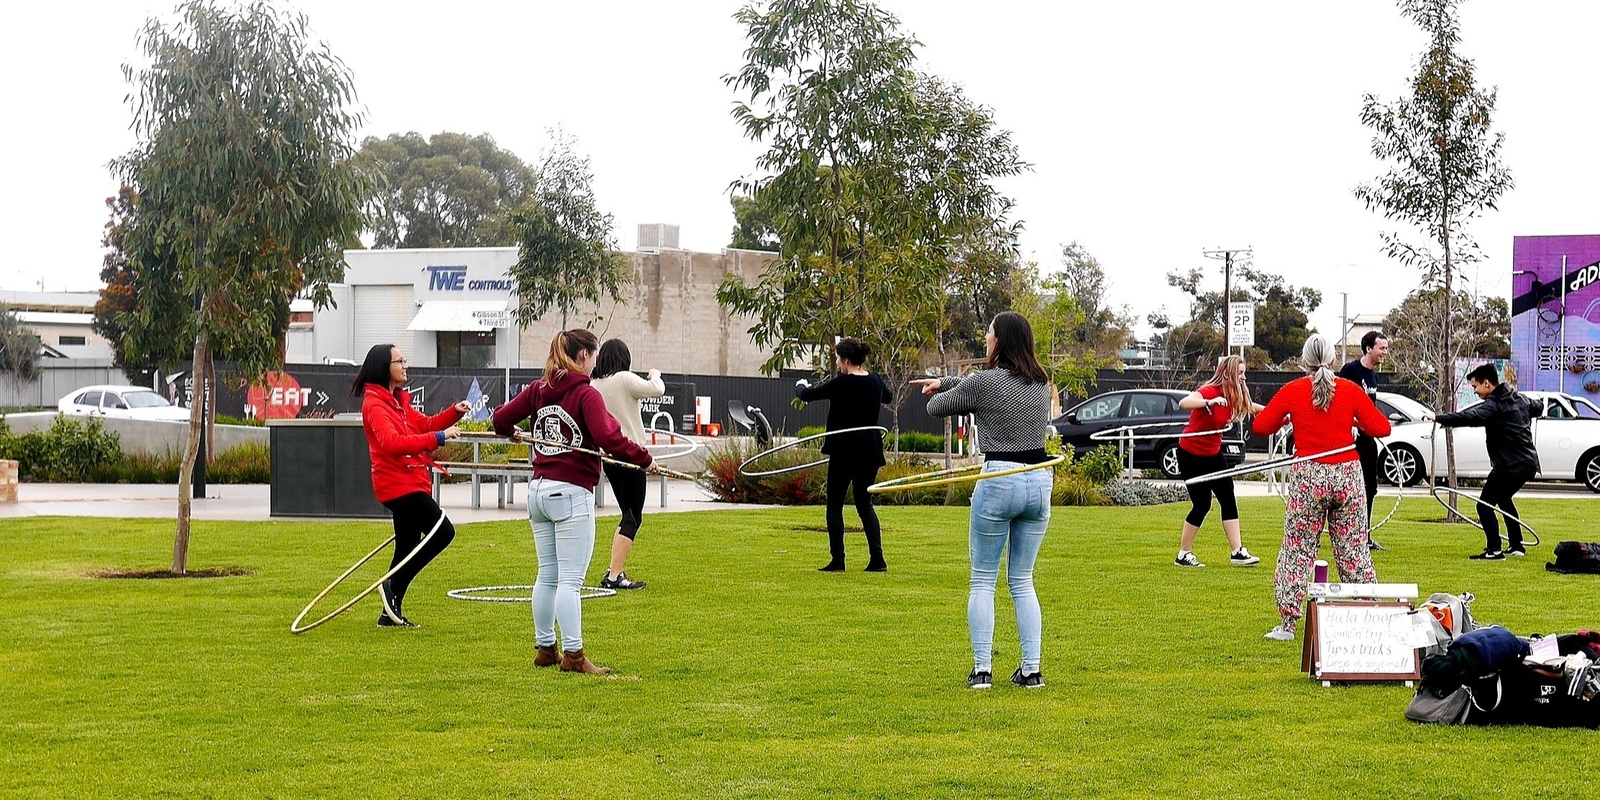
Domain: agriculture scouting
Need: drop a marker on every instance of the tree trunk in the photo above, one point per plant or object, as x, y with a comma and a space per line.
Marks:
1449, 361
191, 452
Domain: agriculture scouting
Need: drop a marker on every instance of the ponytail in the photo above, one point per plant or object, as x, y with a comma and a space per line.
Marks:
565, 350
1315, 358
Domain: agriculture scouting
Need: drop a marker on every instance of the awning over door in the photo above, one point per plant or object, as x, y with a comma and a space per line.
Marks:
459, 315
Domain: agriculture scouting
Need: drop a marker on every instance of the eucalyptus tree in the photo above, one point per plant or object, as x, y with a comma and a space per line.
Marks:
448, 190
19, 348
1444, 168
566, 252
879, 181
245, 176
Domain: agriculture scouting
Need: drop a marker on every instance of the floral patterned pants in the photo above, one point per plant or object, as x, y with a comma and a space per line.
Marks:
1321, 493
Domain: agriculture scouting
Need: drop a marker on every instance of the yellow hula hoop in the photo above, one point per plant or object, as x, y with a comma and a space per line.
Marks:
947, 476
296, 627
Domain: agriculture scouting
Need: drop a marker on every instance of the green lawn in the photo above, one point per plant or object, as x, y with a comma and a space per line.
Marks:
744, 672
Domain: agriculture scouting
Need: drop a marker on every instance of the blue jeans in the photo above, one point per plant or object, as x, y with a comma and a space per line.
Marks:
1015, 510
562, 517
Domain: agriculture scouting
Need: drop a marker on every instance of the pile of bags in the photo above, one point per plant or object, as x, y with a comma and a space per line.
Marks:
1576, 558
1490, 676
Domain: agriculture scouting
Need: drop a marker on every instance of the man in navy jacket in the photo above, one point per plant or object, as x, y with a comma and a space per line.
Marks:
1507, 420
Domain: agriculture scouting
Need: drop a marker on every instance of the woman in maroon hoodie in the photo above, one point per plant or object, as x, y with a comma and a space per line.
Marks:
566, 409
399, 439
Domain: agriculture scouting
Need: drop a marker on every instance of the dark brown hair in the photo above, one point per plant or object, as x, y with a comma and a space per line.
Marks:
852, 350
1014, 350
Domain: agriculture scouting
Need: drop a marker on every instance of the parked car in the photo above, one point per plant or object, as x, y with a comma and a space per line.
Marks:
129, 402
1138, 407
1566, 432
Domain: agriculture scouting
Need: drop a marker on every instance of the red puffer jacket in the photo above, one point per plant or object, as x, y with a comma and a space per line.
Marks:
399, 438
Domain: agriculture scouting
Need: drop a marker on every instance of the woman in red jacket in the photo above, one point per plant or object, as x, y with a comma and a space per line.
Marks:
399, 439
1220, 401
1328, 490
565, 409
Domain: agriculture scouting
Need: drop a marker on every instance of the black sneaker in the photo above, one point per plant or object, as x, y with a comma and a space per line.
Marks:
391, 604
1519, 552
622, 581
385, 622
1372, 545
1033, 681
980, 679
1489, 555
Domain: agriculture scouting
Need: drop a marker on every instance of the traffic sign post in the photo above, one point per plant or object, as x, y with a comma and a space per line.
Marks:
1242, 324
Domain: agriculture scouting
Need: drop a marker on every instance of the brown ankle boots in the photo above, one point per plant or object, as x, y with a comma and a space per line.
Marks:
547, 656
574, 661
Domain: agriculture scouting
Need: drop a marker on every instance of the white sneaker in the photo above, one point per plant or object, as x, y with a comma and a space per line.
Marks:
1187, 560
1242, 558
1280, 635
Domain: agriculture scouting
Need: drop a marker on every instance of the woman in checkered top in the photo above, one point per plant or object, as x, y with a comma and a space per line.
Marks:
1010, 401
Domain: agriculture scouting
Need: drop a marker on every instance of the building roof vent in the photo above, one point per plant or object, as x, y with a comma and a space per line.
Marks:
655, 237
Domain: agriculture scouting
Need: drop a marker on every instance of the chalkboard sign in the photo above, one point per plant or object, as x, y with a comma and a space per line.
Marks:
1363, 640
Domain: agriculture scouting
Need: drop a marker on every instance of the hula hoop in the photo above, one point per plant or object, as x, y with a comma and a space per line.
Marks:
796, 443
693, 445
1527, 529
296, 627
948, 476
1246, 469
1280, 486
1121, 434
524, 438
476, 594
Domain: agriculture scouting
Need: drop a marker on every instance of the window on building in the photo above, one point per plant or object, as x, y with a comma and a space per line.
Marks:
468, 349
301, 317
66, 341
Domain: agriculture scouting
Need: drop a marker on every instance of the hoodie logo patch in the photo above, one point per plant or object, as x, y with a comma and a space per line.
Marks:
554, 424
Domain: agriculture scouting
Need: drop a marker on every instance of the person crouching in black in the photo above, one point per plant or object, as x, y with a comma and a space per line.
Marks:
1507, 420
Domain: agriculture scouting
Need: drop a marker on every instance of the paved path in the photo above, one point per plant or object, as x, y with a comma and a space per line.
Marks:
250, 502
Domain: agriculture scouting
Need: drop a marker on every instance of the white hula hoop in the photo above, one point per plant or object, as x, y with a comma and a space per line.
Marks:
480, 594
1246, 469
796, 443
947, 476
1527, 530
296, 627
1122, 434
1280, 485
693, 445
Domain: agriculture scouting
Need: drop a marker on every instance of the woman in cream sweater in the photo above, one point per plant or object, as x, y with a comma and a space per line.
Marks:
622, 391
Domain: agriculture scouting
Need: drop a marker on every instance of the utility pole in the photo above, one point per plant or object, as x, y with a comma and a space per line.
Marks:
1227, 257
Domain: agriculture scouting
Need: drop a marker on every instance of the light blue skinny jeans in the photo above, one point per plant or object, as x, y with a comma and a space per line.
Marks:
1009, 514
562, 517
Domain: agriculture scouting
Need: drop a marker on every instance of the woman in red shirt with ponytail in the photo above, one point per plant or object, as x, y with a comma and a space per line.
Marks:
1328, 490
399, 439
1222, 400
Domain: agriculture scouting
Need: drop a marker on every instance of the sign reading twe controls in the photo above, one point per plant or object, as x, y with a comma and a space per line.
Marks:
453, 278
1242, 324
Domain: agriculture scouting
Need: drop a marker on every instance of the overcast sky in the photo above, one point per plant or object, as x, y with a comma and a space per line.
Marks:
1156, 129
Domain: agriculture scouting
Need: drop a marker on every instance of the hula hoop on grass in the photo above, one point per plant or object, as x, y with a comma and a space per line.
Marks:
296, 627
1246, 469
479, 594
1527, 529
524, 438
1122, 434
796, 443
948, 476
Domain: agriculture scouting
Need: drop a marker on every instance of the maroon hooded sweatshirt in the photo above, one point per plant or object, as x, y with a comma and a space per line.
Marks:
571, 412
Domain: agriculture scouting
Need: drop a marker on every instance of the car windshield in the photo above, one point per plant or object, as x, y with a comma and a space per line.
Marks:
1405, 405
144, 400
1586, 409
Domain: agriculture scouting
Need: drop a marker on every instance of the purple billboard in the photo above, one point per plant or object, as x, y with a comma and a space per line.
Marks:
1555, 313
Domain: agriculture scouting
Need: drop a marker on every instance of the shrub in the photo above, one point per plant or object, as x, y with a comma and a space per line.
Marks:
1135, 493
916, 442
224, 419
69, 451
247, 463
724, 481
1076, 489
1101, 465
809, 430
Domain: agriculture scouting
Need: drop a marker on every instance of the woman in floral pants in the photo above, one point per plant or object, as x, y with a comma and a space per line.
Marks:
1328, 490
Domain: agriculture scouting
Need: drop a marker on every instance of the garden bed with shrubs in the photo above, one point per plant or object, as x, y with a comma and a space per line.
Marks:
83, 451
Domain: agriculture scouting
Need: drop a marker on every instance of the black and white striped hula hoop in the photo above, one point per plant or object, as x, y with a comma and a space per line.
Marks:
1123, 434
483, 594
1527, 530
796, 443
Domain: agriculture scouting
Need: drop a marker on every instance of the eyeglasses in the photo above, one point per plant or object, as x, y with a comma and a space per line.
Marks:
398, 361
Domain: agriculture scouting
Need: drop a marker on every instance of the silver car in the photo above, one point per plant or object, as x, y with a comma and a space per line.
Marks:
1566, 432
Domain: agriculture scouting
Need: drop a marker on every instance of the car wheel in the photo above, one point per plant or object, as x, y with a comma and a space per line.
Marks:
1169, 461
1589, 470
1402, 465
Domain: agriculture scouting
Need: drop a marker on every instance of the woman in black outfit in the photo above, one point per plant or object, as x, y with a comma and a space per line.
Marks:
855, 397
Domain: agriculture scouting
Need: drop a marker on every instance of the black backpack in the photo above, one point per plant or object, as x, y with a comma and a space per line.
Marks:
1576, 558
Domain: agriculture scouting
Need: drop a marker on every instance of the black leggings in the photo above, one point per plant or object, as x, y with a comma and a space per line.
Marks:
1193, 466
1498, 489
1367, 449
628, 485
841, 478
414, 516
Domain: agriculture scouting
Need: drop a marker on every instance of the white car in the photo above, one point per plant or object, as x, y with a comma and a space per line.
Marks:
127, 402
1566, 432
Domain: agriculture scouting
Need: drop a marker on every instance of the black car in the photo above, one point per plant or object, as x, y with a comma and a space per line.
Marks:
1139, 407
